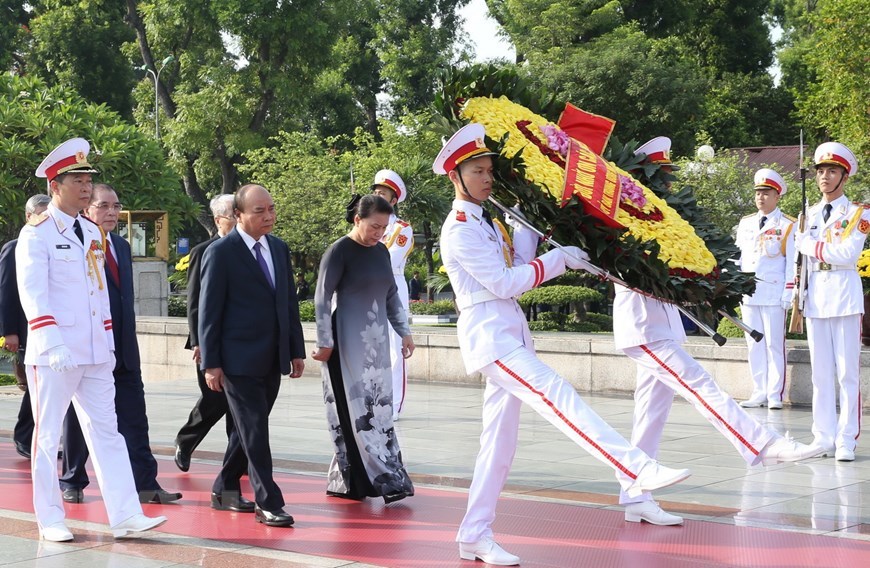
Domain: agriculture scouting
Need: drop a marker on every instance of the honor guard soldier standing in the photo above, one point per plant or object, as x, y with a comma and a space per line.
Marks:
766, 241
70, 350
834, 303
487, 274
650, 332
399, 239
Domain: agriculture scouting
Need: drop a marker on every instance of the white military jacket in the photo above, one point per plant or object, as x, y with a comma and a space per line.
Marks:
832, 248
640, 320
62, 286
769, 253
487, 274
399, 240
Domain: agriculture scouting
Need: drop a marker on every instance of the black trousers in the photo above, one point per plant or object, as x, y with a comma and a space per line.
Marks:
132, 424
23, 431
250, 400
208, 410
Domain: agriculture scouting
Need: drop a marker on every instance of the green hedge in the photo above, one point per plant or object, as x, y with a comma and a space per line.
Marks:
177, 306
728, 329
438, 308
306, 310
559, 295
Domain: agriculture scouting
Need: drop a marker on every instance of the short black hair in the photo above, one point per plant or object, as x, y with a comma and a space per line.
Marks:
370, 204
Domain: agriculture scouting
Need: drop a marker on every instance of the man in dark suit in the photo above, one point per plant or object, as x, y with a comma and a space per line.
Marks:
13, 327
129, 390
250, 334
211, 405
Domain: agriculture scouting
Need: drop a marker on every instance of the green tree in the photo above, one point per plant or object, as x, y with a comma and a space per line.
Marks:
837, 101
35, 117
78, 46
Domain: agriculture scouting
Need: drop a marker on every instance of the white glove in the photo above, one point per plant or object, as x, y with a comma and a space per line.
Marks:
511, 222
786, 300
799, 238
60, 359
573, 256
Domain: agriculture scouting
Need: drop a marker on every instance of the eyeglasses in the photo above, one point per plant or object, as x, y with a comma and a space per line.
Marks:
106, 206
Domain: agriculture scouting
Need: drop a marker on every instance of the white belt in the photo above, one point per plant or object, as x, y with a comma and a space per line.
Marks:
467, 300
825, 267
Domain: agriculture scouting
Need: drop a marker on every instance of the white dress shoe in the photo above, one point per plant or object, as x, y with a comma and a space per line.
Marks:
488, 551
56, 533
774, 404
136, 524
654, 476
845, 455
754, 402
784, 449
651, 512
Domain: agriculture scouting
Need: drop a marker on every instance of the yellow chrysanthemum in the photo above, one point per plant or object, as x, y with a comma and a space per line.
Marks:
183, 262
864, 264
681, 248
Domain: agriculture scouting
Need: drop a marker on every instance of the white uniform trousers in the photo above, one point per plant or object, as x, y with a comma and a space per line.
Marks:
652, 405
400, 371
518, 378
835, 351
766, 357
668, 364
92, 391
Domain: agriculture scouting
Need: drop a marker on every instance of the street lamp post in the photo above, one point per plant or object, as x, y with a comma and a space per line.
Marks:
156, 76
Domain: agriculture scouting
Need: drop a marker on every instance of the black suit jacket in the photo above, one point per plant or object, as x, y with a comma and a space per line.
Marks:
121, 306
245, 326
12, 318
193, 277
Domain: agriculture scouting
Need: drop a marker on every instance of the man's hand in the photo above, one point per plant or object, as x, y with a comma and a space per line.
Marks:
407, 346
574, 256
214, 378
11, 342
322, 354
197, 356
60, 359
297, 366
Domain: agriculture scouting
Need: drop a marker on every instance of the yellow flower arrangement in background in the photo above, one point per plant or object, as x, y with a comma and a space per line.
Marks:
183, 262
680, 246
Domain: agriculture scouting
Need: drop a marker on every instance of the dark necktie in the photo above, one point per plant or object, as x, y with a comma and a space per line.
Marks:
826, 212
488, 218
262, 262
762, 222
78, 229
112, 265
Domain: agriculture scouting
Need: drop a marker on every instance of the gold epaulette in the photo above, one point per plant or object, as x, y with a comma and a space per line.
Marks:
859, 204
789, 217
37, 219
747, 216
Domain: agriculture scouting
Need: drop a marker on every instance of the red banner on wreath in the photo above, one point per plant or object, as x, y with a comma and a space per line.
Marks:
589, 177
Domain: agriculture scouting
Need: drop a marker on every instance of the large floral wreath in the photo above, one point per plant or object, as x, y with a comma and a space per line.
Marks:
641, 234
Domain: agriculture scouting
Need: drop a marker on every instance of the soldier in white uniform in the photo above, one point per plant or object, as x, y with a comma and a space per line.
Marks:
766, 241
70, 350
399, 239
834, 303
487, 274
651, 333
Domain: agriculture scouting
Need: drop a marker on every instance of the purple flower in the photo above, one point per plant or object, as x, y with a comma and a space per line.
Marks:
631, 192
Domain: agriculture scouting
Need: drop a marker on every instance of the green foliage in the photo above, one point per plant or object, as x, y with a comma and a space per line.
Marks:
559, 295
437, 308
837, 101
34, 118
729, 330
603, 321
78, 46
177, 306
306, 310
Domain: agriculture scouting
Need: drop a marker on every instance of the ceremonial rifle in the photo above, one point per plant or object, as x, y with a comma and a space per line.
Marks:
605, 275
796, 323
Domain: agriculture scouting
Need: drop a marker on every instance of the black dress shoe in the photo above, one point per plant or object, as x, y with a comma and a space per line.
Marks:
158, 496
398, 496
231, 501
73, 495
22, 450
182, 459
273, 518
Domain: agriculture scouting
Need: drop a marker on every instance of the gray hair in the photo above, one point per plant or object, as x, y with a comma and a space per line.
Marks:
35, 202
222, 205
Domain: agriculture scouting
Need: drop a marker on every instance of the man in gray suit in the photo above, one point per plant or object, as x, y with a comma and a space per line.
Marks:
249, 335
